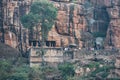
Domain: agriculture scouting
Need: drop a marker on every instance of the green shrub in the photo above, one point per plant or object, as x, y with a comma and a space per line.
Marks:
67, 70
93, 65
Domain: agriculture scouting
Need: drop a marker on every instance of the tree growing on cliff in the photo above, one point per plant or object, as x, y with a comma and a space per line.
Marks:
44, 13
41, 12
47, 13
29, 21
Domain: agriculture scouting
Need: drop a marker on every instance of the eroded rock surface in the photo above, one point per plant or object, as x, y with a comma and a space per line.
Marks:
113, 32
69, 24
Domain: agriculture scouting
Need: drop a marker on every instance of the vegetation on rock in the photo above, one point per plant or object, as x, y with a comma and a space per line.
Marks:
43, 13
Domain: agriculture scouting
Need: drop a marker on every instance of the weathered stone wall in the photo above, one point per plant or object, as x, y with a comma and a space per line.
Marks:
51, 55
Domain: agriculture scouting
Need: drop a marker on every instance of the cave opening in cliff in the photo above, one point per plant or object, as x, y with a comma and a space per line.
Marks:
51, 43
34, 43
99, 28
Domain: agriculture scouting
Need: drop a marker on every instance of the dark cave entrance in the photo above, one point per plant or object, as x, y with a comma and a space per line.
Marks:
51, 43
99, 28
34, 43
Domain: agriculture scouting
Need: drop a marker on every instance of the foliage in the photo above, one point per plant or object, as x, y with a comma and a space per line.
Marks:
102, 72
67, 70
115, 79
93, 65
20, 73
42, 12
48, 69
5, 69
43, 72
30, 20
47, 13
36, 74
8, 71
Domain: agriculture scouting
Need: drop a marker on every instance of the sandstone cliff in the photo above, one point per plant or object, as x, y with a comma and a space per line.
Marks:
68, 25
74, 18
71, 21
113, 9
12, 10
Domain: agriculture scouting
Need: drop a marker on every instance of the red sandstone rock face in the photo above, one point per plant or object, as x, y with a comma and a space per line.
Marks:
11, 21
10, 39
65, 29
113, 9
61, 40
61, 32
62, 23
